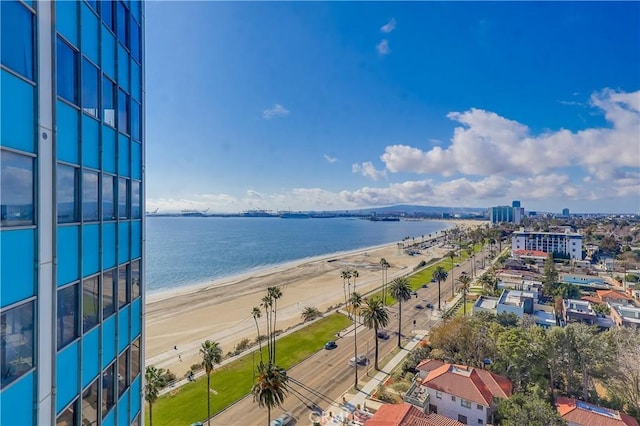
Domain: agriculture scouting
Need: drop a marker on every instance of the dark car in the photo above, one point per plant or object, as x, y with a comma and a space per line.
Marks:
429, 305
383, 335
414, 293
330, 345
424, 285
419, 307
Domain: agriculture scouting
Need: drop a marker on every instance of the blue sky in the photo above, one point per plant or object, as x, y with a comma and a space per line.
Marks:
344, 105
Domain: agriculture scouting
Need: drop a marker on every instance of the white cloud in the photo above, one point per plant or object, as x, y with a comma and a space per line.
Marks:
368, 169
330, 159
254, 194
383, 47
389, 26
276, 110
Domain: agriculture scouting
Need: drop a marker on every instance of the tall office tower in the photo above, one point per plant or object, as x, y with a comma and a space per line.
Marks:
515, 204
71, 228
565, 212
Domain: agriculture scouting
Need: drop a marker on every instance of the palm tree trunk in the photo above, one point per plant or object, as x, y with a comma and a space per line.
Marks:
464, 301
399, 323
208, 400
268, 415
259, 340
375, 331
355, 348
439, 296
275, 313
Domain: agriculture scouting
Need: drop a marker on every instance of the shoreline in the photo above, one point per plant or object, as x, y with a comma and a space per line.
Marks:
221, 310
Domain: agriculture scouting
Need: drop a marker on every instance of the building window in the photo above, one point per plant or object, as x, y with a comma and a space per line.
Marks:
90, 303
108, 391
123, 372
479, 407
90, 190
16, 350
106, 11
108, 197
135, 120
17, 35
438, 394
108, 102
135, 280
136, 204
480, 421
462, 419
123, 286
135, 359
123, 198
136, 421
135, 39
90, 404
67, 72
16, 189
453, 398
123, 112
108, 285
67, 315
122, 23
69, 417
465, 403
93, 4
66, 193
90, 78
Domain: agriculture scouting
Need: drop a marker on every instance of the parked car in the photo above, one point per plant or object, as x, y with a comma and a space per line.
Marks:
283, 419
414, 293
419, 307
330, 345
424, 285
383, 335
429, 305
359, 359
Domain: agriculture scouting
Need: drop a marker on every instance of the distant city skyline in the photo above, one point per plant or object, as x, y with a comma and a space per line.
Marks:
340, 106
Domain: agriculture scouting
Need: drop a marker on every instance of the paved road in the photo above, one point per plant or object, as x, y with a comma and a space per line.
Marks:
326, 375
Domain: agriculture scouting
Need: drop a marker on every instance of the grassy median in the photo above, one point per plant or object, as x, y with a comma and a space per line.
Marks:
188, 404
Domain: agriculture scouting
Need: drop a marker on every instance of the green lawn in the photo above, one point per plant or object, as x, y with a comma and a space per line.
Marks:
188, 404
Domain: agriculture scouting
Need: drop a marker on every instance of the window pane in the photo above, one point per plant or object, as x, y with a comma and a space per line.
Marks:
135, 359
108, 382
136, 119
108, 197
135, 200
67, 72
93, 4
90, 189
90, 77
123, 112
16, 189
16, 349
123, 198
106, 11
66, 193
16, 33
67, 315
123, 372
108, 102
90, 303
108, 280
135, 280
123, 285
122, 23
135, 39
90, 404
68, 417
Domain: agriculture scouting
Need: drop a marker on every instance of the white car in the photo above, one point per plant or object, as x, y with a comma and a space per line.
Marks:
283, 419
360, 359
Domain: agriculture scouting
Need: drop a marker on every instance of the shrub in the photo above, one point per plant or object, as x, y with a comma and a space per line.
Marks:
196, 367
242, 345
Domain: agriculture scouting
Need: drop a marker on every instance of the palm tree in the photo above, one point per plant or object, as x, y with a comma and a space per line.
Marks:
211, 354
355, 275
256, 313
465, 282
439, 275
356, 302
385, 265
153, 382
451, 255
310, 313
267, 304
275, 293
375, 316
346, 275
270, 388
400, 291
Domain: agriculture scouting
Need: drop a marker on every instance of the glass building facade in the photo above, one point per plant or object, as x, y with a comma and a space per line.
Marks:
71, 219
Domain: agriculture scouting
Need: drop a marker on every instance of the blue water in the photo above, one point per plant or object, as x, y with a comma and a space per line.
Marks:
183, 251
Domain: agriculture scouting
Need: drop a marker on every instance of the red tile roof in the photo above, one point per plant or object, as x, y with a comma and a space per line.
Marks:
581, 413
407, 415
429, 364
612, 294
536, 253
592, 299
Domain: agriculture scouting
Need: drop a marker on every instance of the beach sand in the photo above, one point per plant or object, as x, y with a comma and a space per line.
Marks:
221, 311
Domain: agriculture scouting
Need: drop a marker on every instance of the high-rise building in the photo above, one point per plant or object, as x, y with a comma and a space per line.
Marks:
565, 212
71, 225
509, 214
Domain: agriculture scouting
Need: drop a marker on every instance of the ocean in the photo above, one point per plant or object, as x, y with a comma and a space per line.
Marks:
186, 251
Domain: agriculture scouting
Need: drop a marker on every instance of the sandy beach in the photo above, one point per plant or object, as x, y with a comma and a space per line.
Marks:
221, 310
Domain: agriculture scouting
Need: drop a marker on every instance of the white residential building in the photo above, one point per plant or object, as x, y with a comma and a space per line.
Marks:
569, 243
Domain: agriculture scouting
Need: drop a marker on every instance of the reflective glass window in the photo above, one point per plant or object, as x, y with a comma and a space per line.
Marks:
123, 285
135, 359
69, 417
108, 102
122, 22
135, 39
106, 12
67, 326
135, 280
136, 119
16, 347
123, 112
16, 189
108, 390
123, 198
93, 4
136, 200
90, 78
16, 33
67, 194
67, 72
90, 190
108, 293
108, 197
90, 404
90, 303
123, 372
